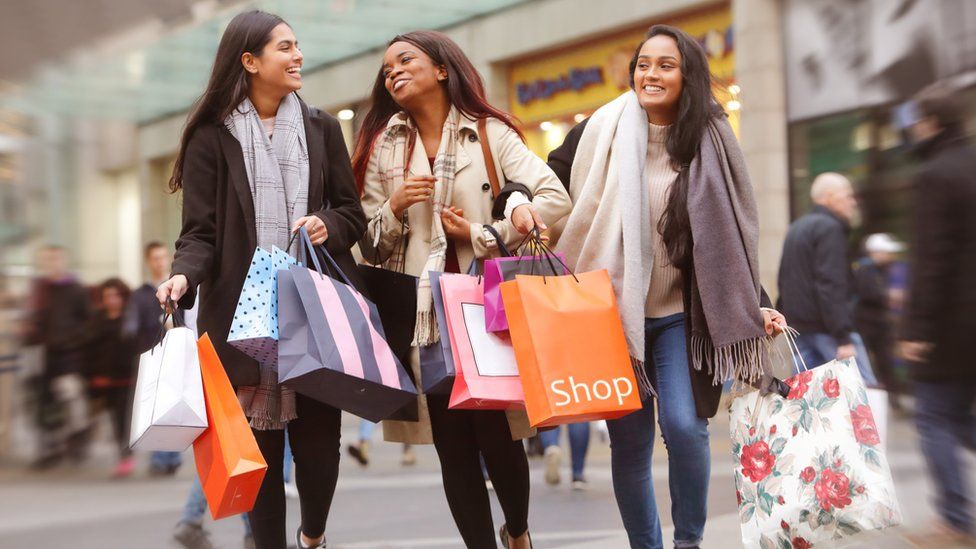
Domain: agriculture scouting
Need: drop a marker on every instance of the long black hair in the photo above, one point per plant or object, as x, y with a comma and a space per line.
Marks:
696, 107
464, 87
229, 83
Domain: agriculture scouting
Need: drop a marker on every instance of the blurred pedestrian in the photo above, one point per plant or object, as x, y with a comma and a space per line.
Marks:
59, 310
255, 164
815, 280
873, 313
579, 442
421, 130
360, 450
651, 172
111, 366
143, 320
940, 320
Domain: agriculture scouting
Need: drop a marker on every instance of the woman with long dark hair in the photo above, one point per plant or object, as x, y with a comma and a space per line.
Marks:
255, 164
663, 201
426, 192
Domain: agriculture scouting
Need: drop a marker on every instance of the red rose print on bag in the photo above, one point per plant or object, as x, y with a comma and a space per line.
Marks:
800, 543
831, 388
808, 475
865, 431
799, 384
833, 490
757, 461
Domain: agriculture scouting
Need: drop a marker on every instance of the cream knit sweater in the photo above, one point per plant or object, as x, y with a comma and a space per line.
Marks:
664, 296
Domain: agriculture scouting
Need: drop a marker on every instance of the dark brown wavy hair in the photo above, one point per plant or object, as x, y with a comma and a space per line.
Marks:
464, 86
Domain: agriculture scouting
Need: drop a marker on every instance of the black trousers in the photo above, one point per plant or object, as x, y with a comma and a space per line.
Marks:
462, 438
117, 401
314, 439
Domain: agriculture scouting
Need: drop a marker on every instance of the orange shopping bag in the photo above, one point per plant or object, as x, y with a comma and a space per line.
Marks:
229, 462
570, 348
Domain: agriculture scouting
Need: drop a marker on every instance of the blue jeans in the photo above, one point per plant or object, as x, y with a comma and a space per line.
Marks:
196, 507
945, 421
685, 436
163, 460
819, 349
366, 429
579, 442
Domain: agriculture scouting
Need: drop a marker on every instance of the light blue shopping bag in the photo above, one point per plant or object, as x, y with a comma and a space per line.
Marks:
254, 330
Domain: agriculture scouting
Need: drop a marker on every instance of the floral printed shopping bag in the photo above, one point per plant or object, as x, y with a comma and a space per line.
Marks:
810, 467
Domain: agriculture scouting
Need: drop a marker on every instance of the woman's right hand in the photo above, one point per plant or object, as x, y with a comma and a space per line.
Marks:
416, 189
173, 289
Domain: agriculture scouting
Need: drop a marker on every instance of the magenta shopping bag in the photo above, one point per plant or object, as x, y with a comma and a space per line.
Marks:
502, 269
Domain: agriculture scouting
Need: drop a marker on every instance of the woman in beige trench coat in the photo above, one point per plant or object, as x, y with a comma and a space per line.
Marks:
423, 122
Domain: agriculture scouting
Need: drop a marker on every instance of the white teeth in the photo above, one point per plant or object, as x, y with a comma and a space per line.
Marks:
294, 70
399, 84
652, 89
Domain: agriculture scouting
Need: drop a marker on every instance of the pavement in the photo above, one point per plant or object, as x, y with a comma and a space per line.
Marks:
387, 505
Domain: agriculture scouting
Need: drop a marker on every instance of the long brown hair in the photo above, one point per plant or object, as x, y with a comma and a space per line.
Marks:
229, 83
465, 91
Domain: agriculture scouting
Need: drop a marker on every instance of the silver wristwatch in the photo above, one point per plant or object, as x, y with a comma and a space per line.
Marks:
490, 241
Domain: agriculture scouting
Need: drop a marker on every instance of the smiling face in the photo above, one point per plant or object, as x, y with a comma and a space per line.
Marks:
658, 80
409, 73
279, 66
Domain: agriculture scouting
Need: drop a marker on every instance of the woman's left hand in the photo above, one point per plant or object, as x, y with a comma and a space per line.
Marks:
315, 227
774, 321
456, 226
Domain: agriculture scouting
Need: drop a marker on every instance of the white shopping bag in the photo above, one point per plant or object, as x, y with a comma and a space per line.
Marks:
168, 410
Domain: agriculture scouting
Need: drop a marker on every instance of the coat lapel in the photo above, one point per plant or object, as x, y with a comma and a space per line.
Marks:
238, 176
315, 139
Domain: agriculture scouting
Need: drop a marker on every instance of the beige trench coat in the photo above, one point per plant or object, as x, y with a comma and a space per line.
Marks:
472, 193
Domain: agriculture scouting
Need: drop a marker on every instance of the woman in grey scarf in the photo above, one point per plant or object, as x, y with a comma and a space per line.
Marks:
662, 201
255, 165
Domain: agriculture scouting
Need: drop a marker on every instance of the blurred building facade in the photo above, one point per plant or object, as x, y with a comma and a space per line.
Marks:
804, 96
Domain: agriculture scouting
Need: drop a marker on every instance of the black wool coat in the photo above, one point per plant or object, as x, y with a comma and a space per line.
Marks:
942, 295
218, 238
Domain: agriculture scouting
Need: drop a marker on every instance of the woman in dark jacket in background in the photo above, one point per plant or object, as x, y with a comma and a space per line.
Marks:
255, 164
110, 363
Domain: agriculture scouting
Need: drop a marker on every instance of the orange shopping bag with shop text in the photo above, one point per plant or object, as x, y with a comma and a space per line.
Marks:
229, 462
570, 348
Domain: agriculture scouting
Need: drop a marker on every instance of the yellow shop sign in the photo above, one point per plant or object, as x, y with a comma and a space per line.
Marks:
581, 78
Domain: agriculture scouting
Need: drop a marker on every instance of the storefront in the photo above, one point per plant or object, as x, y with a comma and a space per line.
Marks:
845, 87
552, 91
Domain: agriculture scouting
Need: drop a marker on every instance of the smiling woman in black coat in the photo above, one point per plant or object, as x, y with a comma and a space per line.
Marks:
241, 166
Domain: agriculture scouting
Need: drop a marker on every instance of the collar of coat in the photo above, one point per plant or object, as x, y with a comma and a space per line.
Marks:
467, 129
465, 124
823, 210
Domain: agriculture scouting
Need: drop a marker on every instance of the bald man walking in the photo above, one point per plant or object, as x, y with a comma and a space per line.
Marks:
815, 282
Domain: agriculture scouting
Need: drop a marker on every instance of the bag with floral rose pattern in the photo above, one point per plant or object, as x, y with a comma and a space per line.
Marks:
810, 467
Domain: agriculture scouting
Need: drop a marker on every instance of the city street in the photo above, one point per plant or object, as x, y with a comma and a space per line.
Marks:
386, 505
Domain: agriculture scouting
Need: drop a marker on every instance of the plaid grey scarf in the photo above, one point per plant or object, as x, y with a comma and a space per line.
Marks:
277, 170
394, 150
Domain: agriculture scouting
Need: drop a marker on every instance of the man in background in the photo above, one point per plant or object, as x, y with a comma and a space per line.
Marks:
143, 320
815, 277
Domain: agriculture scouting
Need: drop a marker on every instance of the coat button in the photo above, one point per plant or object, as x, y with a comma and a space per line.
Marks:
486, 187
472, 138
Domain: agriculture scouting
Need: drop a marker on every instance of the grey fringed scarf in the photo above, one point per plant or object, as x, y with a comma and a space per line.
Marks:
609, 226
